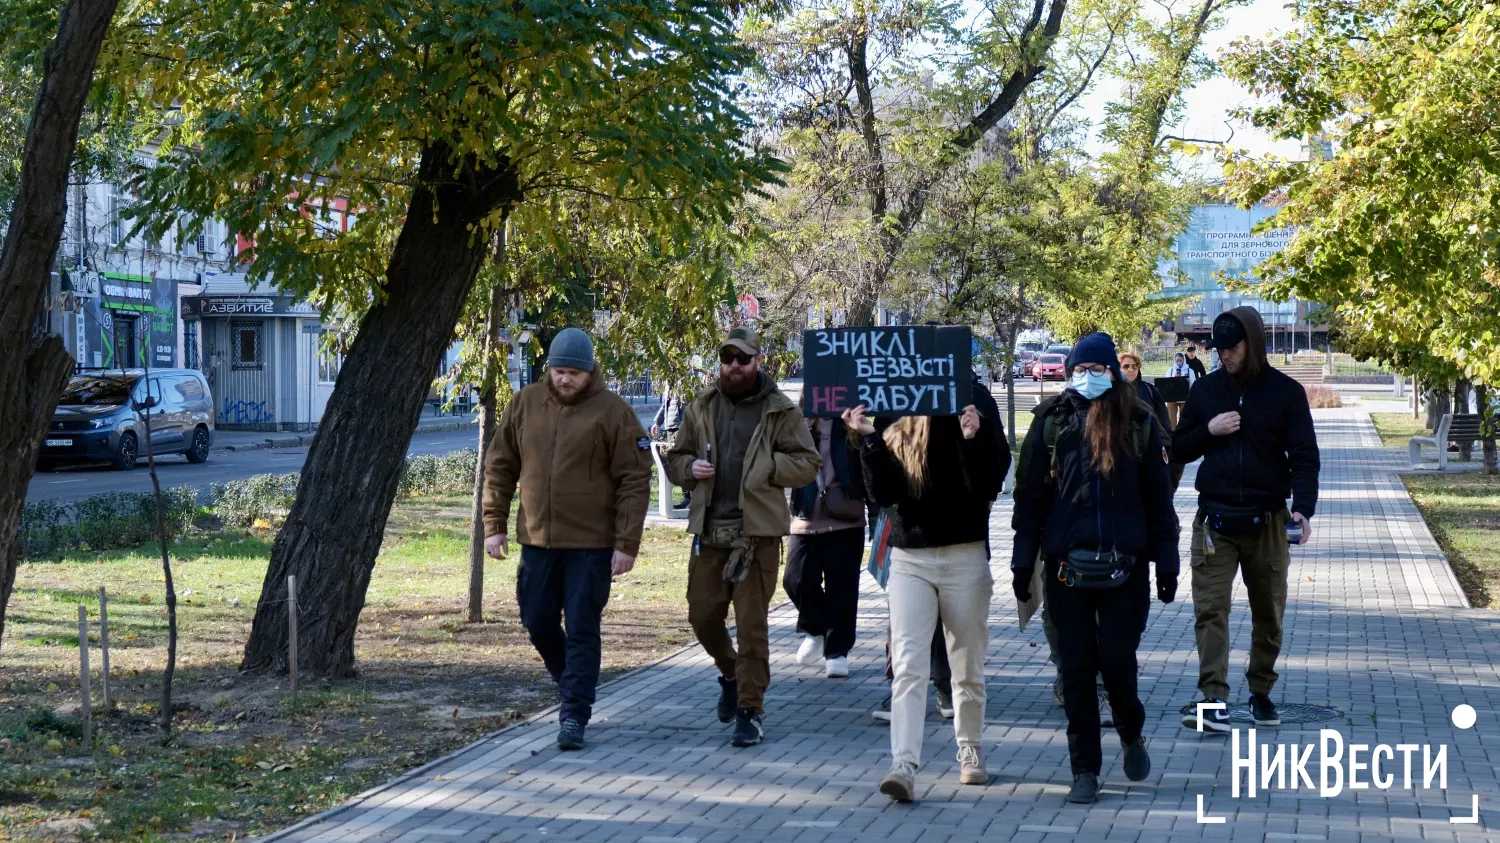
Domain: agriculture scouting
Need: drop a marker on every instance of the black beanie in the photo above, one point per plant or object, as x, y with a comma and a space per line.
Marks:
1099, 348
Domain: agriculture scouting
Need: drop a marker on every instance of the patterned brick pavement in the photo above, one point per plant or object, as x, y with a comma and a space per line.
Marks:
1376, 627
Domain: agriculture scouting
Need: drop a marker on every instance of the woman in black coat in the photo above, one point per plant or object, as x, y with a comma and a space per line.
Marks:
1094, 503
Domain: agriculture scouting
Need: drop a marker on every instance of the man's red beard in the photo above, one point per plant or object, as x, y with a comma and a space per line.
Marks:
571, 398
738, 381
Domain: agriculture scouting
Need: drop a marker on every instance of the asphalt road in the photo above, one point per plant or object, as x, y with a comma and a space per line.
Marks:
82, 481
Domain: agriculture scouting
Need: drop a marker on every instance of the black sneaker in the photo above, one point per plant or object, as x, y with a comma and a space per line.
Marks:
570, 737
1216, 720
729, 698
1085, 790
747, 729
1263, 711
945, 702
1137, 762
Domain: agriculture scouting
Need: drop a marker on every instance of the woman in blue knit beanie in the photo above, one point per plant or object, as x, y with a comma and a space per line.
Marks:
1093, 504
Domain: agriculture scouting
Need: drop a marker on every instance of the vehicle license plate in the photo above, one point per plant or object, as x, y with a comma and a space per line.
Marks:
58, 443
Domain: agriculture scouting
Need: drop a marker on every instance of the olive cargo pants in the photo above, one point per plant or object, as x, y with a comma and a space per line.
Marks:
1262, 559
709, 597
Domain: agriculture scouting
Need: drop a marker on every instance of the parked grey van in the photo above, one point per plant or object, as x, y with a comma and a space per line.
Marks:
97, 419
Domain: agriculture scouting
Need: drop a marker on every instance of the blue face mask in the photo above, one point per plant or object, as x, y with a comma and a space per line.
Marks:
1090, 385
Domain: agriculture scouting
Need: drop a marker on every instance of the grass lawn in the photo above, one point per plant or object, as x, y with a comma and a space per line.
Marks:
243, 759
1463, 512
1396, 428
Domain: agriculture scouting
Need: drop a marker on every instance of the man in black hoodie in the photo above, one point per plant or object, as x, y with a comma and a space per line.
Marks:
1252, 427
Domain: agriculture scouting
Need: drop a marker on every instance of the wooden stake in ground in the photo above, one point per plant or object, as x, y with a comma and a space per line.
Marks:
83, 677
291, 632
109, 703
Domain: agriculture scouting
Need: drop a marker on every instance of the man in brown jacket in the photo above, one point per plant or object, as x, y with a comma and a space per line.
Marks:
581, 459
742, 444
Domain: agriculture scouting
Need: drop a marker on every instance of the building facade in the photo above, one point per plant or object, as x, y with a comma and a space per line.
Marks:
1219, 244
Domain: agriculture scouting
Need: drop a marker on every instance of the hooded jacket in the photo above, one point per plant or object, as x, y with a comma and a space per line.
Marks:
1131, 510
781, 455
1274, 454
584, 471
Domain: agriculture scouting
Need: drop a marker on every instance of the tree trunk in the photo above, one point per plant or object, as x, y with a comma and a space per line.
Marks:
1437, 407
333, 532
1487, 412
1461, 405
34, 367
494, 370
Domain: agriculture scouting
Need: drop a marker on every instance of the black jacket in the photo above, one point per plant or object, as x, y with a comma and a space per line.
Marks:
1148, 393
989, 410
1275, 452
1130, 511
846, 467
962, 482
1197, 366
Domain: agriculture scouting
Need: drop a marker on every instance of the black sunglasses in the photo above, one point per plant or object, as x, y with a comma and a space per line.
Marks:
727, 357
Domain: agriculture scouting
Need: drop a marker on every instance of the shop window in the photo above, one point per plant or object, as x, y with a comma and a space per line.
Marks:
329, 361
245, 345
190, 344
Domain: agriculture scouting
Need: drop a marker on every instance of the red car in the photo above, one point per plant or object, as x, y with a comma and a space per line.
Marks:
1050, 367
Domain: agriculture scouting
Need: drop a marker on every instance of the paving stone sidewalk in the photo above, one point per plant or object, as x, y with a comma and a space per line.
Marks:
1376, 627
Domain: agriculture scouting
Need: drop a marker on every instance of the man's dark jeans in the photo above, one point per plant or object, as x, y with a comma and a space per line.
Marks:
553, 584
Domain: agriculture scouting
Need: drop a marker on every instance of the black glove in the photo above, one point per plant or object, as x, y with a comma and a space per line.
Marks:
1020, 583
1166, 587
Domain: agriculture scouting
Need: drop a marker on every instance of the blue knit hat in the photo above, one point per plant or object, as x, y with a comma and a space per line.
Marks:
1099, 348
571, 349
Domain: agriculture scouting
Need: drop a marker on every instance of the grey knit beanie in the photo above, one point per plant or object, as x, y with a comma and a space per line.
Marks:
571, 349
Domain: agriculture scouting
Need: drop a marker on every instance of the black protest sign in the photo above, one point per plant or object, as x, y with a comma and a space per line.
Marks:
902, 371
1173, 390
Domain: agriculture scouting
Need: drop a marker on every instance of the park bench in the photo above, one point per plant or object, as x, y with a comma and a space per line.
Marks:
1459, 429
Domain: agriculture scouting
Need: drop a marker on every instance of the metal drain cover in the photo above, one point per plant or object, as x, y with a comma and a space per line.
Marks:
1292, 714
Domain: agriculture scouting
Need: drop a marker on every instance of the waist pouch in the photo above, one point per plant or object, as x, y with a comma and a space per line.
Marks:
1095, 569
730, 534
1235, 520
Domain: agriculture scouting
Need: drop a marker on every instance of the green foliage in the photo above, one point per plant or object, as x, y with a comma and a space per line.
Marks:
279, 108
45, 722
240, 503
268, 497
111, 519
1398, 232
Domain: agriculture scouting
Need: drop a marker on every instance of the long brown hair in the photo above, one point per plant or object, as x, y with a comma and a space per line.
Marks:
1107, 422
907, 440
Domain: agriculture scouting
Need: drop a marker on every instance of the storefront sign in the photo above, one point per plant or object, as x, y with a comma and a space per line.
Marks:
246, 306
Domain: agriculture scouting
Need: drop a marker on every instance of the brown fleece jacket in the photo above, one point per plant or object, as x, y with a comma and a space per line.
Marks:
584, 471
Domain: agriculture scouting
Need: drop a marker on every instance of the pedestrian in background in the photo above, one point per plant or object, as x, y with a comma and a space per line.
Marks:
1093, 502
1194, 363
826, 550
579, 456
739, 516
938, 474
664, 426
1251, 426
1148, 394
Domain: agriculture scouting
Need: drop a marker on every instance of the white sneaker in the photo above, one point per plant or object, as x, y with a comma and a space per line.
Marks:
811, 649
837, 668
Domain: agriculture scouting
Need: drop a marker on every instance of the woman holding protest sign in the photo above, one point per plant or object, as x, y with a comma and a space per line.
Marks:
938, 475
1094, 504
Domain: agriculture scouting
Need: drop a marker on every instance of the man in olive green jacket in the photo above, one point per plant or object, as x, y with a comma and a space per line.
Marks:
742, 444
582, 462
